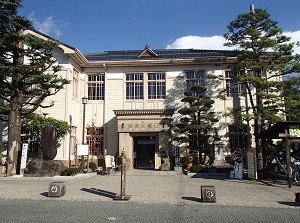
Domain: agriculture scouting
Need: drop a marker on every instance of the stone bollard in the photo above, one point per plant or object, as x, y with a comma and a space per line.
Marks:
208, 194
57, 189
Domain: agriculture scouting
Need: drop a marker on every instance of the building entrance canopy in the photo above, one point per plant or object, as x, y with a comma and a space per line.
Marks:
277, 130
289, 132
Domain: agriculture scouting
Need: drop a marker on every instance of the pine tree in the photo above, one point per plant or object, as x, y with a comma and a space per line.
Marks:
27, 75
195, 127
261, 47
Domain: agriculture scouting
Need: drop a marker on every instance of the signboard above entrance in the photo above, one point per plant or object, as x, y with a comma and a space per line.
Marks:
143, 125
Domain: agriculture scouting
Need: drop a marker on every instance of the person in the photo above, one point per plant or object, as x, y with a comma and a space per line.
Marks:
238, 164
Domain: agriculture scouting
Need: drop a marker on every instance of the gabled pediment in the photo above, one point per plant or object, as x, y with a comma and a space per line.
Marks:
147, 52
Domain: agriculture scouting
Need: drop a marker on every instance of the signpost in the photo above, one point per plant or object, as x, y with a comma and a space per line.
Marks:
24, 157
83, 150
122, 196
251, 158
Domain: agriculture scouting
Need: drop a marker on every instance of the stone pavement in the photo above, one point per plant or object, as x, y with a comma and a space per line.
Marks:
147, 186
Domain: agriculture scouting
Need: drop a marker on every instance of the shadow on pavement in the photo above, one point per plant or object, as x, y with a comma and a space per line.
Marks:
196, 199
293, 204
100, 192
45, 194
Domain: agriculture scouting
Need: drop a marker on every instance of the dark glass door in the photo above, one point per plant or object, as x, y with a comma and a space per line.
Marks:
145, 153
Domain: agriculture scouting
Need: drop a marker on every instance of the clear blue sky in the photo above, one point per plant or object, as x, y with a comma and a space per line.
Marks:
106, 25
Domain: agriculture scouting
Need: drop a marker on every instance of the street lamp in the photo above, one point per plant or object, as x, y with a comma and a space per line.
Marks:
84, 102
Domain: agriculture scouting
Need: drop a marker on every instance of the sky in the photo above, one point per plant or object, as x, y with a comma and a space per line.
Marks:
111, 25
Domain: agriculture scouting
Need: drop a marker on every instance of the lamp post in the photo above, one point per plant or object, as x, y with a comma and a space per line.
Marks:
84, 102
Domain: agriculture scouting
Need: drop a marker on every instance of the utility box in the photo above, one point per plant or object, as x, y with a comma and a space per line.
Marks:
208, 194
57, 189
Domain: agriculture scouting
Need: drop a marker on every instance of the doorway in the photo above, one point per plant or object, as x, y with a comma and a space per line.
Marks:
145, 152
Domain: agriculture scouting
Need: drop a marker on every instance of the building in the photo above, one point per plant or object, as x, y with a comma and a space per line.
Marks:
133, 97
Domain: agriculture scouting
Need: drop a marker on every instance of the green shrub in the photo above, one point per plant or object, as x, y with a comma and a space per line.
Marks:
197, 168
70, 171
93, 166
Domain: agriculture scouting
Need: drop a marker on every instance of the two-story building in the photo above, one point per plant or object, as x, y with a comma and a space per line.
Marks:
133, 97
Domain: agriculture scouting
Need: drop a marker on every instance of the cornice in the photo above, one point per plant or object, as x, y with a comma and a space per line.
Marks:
166, 62
166, 112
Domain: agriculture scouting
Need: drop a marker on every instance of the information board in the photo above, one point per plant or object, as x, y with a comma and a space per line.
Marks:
24, 155
294, 131
251, 158
157, 160
82, 150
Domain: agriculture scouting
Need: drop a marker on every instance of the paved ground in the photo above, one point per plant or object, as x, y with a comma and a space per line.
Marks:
146, 186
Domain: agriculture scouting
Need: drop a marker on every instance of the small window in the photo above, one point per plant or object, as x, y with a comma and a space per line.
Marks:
134, 86
96, 86
75, 83
156, 86
95, 136
233, 86
194, 77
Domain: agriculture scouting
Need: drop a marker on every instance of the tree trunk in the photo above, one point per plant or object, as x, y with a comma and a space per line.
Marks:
14, 137
14, 118
258, 128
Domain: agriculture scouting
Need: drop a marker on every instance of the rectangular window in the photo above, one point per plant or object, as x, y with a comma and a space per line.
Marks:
233, 86
255, 74
75, 83
237, 137
95, 140
96, 86
194, 77
156, 86
134, 86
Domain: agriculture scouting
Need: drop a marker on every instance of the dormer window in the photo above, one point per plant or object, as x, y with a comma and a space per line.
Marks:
147, 52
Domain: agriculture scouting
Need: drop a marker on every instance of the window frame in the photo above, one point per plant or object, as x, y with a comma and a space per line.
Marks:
75, 78
156, 85
230, 80
96, 86
145, 86
95, 140
191, 78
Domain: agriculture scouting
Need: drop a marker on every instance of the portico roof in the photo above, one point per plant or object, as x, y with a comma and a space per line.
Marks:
166, 112
280, 127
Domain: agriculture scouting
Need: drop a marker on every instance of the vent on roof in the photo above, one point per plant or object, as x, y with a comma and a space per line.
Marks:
147, 52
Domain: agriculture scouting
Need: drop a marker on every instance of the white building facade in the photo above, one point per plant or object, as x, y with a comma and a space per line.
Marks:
132, 100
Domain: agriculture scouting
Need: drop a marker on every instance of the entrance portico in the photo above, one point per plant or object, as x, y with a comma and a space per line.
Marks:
142, 133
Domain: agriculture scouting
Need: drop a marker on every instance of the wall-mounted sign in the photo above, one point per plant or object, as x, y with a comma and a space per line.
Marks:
294, 131
24, 155
82, 150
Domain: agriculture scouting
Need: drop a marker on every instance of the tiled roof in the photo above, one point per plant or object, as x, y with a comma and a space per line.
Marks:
159, 54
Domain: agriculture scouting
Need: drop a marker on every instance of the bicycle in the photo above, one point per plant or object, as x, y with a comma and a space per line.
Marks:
295, 171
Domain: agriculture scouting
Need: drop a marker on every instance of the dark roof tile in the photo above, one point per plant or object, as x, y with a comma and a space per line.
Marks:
161, 54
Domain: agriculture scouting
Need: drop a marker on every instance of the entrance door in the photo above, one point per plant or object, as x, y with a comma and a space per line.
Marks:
145, 153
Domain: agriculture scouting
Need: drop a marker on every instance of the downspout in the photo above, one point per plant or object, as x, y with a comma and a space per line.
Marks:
104, 114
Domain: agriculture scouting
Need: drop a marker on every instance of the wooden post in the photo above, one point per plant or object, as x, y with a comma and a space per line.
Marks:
288, 159
122, 195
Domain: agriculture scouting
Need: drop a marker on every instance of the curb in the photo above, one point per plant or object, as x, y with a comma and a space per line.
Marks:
22, 177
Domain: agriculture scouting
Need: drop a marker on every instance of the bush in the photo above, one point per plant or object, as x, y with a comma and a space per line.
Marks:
197, 168
70, 171
93, 166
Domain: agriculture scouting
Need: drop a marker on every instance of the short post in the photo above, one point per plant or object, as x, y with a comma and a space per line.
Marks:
122, 195
208, 194
57, 189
